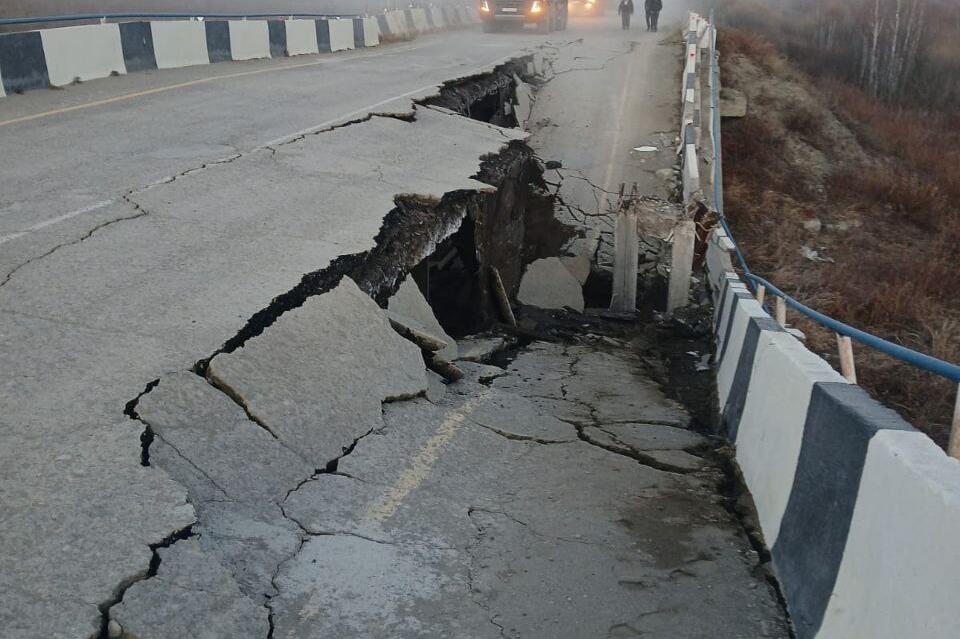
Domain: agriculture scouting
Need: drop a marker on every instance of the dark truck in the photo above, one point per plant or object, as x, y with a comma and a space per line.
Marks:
548, 15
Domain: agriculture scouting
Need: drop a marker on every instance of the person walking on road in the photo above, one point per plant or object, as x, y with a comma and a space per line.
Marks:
625, 9
653, 8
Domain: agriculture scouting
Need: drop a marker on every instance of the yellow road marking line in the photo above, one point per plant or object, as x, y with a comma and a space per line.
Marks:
190, 83
384, 508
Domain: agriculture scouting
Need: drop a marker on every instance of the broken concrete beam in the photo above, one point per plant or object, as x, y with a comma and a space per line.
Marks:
548, 284
409, 307
317, 377
192, 595
418, 337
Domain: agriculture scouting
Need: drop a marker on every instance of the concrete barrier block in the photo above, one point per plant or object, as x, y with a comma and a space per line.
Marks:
721, 312
841, 422
249, 39
736, 346
398, 24
136, 39
899, 576
420, 22
718, 259
769, 432
86, 52
179, 44
371, 32
301, 37
22, 62
341, 35
436, 17
218, 41
277, 32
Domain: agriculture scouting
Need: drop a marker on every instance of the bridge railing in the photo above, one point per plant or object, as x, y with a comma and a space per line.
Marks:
762, 288
124, 17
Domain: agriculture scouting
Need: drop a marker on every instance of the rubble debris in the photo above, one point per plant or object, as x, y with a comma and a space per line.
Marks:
478, 348
548, 284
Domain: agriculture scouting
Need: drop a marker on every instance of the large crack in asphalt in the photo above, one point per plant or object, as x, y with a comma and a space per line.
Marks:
384, 271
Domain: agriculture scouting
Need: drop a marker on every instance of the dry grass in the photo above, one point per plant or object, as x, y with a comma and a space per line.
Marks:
891, 225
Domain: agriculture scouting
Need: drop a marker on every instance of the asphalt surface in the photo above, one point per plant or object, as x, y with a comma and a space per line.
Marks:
140, 232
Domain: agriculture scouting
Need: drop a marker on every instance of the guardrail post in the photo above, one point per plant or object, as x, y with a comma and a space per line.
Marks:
953, 448
761, 293
848, 367
781, 312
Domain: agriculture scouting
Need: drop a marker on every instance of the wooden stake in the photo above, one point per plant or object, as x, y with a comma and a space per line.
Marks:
761, 293
954, 448
782, 312
503, 300
847, 366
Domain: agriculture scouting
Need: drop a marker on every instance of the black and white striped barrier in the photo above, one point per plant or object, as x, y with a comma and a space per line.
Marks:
59, 57
409, 23
861, 512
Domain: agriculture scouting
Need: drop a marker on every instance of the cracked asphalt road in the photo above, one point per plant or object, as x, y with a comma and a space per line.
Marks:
488, 511
151, 239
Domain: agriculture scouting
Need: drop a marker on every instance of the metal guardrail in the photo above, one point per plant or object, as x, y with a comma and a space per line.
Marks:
760, 286
104, 17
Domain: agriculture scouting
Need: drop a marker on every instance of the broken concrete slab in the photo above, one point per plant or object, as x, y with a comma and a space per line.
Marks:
317, 377
479, 349
411, 308
191, 596
548, 284
205, 433
579, 267
436, 387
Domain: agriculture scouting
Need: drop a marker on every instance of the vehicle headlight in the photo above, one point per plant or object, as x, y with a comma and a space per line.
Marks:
485, 7
536, 7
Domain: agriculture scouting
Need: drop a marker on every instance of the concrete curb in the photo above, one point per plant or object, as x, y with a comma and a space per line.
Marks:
58, 57
861, 511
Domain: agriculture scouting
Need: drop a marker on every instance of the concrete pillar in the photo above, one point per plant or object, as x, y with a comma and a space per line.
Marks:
684, 237
624, 298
